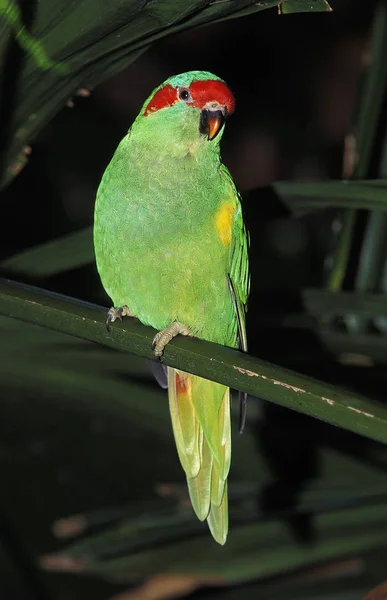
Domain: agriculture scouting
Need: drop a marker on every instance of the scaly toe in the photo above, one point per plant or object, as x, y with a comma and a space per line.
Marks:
162, 338
158, 344
125, 312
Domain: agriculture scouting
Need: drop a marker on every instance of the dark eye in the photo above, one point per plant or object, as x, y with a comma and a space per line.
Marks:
184, 94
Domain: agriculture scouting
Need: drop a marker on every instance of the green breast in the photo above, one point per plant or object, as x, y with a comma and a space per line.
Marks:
157, 246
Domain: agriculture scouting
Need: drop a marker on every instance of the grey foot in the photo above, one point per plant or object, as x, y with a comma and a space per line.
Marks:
163, 337
117, 313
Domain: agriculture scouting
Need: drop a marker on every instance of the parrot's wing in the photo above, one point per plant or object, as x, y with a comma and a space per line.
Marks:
239, 282
239, 274
240, 316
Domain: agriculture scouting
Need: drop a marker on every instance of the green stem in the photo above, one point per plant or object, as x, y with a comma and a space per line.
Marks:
235, 369
343, 249
366, 123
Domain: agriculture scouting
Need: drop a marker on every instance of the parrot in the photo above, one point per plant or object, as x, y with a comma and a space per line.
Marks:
171, 249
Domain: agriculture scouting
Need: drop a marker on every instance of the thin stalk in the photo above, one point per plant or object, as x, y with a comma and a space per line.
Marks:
366, 123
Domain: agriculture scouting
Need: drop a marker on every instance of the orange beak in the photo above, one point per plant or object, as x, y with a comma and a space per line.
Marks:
211, 122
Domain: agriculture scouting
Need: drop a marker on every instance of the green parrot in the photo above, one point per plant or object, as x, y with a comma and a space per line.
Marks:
172, 250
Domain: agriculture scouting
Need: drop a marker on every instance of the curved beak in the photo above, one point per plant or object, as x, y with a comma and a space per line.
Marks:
211, 122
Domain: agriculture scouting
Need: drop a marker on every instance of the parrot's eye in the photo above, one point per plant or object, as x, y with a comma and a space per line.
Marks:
184, 94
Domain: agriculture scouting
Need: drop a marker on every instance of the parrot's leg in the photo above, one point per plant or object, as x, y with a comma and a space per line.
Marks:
117, 313
163, 337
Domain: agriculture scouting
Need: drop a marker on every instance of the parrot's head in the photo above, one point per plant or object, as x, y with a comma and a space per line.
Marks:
190, 107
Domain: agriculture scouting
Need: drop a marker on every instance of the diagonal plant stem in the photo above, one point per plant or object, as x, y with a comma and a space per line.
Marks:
235, 369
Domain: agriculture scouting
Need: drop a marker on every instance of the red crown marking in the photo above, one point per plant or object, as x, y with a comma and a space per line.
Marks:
201, 92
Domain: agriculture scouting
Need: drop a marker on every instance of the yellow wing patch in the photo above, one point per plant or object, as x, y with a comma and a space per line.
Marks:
223, 222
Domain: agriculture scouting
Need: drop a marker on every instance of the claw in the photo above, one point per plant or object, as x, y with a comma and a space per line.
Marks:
163, 337
117, 313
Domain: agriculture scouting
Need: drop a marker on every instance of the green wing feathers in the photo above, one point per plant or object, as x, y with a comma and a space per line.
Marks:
239, 262
200, 411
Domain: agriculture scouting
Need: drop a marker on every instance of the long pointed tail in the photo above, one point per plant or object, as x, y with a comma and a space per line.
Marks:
200, 411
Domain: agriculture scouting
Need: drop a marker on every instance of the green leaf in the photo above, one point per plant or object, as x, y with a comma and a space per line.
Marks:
10, 12
296, 6
46, 362
74, 45
303, 197
321, 302
326, 305
217, 363
165, 538
57, 256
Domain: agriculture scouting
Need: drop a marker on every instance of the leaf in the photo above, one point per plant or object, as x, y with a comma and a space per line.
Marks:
147, 543
74, 45
166, 587
44, 362
11, 14
296, 6
324, 303
217, 363
371, 97
62, 254
303, 197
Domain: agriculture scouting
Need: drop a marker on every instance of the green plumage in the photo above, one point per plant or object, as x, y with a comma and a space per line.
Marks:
162, 248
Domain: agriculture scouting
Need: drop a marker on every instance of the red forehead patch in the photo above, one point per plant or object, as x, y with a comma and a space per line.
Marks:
201, 92
212, 91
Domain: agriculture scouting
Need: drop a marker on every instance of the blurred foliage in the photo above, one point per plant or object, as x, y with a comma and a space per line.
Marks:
292, 6
308, 516
344, 520
72, 46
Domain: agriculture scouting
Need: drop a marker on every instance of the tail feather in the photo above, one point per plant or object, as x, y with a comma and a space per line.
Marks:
200, 411
199, 487
218, 519
222, 436
217, 488
207, 398
184, 422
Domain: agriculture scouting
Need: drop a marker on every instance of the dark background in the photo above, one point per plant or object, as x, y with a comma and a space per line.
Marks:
295, 79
